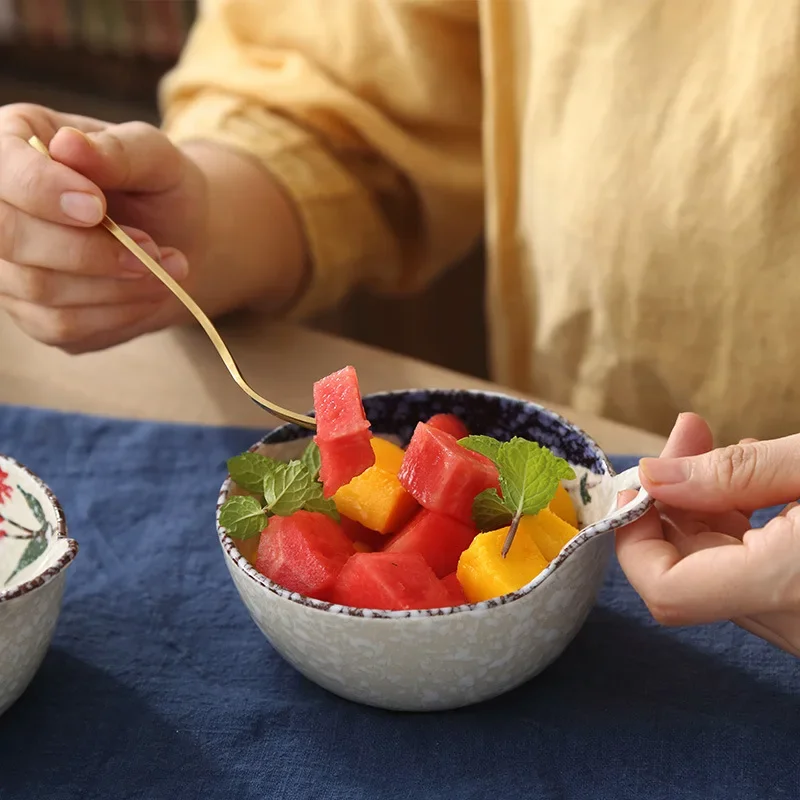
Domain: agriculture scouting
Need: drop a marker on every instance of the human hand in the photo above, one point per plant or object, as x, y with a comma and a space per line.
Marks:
64, 280
694, 558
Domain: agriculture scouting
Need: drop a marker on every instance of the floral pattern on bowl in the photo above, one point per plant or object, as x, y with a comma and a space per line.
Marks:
423, 660
34, 553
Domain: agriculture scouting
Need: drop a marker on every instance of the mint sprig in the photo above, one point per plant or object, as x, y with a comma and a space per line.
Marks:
485, 445
490, 512
278, 488
242, 516
529, 478
311, 459
324, 505
286, 488
248, 471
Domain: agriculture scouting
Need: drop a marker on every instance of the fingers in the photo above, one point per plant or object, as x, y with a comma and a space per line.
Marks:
692, 567
133, 156
715, 577
43, 188
63, 280
75, 328
24, 120
717, 582
52, 289
690, 436
690, 533
24, 239
34, 243
87, 157
743, 476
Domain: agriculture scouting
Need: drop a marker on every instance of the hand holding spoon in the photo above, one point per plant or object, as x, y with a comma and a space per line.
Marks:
277, 411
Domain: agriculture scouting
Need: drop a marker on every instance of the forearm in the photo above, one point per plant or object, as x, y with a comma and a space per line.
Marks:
254, 249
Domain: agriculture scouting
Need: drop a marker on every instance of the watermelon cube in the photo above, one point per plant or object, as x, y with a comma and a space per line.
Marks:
343, 459
343, 431
439, 538
457, 596
449, 423
443, 476
304, 553
390, 582
485, 460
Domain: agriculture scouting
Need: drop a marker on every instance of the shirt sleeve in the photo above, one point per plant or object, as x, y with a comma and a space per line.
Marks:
367, 112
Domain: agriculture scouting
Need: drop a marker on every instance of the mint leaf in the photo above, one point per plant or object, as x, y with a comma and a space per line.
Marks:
311, 459
485, 445
323, 505
287, 487
529, 475
489, 512
249, 470
242, 517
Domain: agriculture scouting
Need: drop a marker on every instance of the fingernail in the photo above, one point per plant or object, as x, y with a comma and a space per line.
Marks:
675, 426
666, 470
175, 263
79, 132
128, 261
82, 207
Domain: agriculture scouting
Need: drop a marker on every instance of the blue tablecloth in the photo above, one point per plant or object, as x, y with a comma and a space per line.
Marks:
148, 692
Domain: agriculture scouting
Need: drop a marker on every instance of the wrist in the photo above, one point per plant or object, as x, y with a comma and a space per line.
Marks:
253, 247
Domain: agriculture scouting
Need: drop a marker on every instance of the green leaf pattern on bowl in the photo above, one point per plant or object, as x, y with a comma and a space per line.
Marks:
11, 530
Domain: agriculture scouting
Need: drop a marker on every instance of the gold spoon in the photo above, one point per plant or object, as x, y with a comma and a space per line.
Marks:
225, 354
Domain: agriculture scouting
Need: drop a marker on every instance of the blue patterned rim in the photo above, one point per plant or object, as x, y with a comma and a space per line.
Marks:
489, 413
61, 527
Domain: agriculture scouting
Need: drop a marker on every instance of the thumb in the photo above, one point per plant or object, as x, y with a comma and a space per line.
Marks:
133, 157
745, 476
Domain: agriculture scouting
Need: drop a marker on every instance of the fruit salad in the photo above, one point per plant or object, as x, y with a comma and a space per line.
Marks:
357, 520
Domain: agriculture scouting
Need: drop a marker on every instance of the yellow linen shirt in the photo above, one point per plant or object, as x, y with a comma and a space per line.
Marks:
634, 165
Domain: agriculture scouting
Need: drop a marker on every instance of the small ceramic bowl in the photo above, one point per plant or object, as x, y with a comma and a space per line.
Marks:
34, 553
446, 658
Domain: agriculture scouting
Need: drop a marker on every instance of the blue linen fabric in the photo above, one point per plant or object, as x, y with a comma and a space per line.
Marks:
158, 684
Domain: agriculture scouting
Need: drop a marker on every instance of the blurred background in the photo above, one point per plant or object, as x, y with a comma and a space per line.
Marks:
104, 58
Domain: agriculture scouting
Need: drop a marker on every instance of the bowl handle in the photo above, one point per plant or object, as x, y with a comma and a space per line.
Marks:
617, 517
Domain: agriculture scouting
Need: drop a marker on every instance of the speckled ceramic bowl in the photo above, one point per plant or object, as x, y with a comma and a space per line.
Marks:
445, 658
34, 554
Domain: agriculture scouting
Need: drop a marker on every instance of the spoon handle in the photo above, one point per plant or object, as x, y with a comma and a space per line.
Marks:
631, 511
198, 313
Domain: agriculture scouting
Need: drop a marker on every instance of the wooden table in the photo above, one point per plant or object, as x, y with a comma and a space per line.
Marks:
177, 376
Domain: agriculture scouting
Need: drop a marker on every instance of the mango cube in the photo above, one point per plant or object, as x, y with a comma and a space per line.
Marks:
561, 505
483, 572
549, 532
375, 498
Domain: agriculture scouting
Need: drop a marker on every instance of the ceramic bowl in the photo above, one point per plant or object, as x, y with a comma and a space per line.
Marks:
34, 554
446, 658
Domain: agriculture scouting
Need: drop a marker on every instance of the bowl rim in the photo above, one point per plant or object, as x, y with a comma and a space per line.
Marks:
45, 577
232, 552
